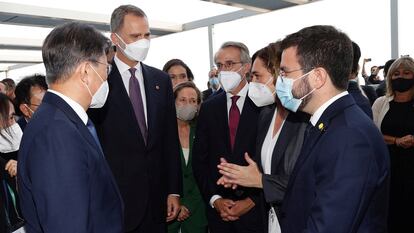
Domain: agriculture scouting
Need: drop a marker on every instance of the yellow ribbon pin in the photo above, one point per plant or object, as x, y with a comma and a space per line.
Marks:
320, 126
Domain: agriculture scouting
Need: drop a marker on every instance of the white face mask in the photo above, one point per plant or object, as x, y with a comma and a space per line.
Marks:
100, 96
186, 112
260, 93
10, 138
136, 51
229, 80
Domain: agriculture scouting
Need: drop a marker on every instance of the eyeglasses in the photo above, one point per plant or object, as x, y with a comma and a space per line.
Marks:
283, 72
108, 66
228, 65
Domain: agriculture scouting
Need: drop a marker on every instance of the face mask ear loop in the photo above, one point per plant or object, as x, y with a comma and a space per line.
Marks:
119, 37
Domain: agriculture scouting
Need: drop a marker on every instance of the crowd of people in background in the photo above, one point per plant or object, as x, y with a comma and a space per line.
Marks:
284, 140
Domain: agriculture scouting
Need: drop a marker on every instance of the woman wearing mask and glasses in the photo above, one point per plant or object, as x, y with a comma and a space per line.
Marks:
191, 218
10, 136
394, 116
279, 138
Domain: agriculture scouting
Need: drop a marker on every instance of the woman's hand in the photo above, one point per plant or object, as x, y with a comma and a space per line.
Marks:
405, 142
11, 167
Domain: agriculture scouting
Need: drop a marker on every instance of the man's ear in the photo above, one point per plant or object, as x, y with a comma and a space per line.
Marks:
24, 110
83, 69
320, 77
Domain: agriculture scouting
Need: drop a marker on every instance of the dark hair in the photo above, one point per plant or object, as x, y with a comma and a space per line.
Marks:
326, 47
67, 46
178, 62
270, 55
118, 15
5, 102
387, 66
356, 57
23, 89
188, 84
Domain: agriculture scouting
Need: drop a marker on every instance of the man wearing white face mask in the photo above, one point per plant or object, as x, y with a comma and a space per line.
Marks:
226, 129
138, 128
61, 162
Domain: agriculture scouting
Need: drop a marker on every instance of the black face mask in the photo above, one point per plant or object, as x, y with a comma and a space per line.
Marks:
401, 84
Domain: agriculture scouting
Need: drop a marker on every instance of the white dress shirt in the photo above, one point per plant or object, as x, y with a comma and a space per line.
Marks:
318, 113
74, 105
126, 75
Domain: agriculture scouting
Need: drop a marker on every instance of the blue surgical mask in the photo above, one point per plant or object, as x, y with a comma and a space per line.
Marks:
284, 86
214, 83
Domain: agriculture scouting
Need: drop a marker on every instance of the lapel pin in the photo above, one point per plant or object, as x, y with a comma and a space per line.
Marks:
157, 87
321, 126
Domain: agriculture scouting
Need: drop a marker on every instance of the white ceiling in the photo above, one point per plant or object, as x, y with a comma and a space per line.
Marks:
25, 23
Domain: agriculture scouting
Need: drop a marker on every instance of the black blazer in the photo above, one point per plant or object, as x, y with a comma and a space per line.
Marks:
213, 142
359, 98
145, 174
285, 153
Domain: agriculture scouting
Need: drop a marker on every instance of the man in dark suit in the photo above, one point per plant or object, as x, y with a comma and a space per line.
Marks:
65, 183
353, 87
227, 128
213, 85
138, 128
340, 180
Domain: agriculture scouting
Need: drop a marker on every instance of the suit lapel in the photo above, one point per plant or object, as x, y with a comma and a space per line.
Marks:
262, 130
222, 118
119, 97
316, 132
285, 136
245, 124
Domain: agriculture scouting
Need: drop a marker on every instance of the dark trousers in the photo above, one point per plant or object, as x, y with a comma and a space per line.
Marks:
251, 222
149, 225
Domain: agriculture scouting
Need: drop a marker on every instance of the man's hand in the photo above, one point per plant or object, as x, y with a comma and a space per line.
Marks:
223, 207
11, 167
184, 214
173, 206
247, 176
241, 207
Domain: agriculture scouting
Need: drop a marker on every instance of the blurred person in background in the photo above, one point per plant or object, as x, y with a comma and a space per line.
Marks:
10, 86
353, 87
192, 215
29, 94
178, 71
382, 87
394, 116
10, 137
213, 85
2, 88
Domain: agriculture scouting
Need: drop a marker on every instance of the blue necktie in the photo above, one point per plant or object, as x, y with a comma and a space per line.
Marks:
92, 130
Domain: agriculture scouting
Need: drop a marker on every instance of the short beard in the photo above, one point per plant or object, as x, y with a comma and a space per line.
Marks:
304, 89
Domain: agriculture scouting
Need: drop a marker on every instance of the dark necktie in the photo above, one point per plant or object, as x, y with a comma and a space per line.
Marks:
92, 130
137, 104
234, 117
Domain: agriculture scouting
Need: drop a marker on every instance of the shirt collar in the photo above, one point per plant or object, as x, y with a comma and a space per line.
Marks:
122, 67
242, 93
74, 105
318, 113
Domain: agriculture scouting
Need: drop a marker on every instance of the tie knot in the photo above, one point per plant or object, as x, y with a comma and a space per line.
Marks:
132, 71
89, 123
234, 99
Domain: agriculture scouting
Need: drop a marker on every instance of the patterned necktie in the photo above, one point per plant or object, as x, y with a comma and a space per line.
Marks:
137, 104
92, 130
234, 117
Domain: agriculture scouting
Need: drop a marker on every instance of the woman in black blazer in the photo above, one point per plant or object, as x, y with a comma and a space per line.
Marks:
279, 138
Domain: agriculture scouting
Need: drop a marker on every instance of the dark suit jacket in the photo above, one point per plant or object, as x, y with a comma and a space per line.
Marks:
65, 183
213, 142
359, 98
207, 94
285, 153
22, 123
340, 180
145, 173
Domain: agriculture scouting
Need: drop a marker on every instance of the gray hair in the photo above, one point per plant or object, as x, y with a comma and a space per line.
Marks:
118, 15
244, 51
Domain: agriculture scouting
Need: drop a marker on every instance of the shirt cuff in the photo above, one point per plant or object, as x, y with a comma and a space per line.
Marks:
173, 194
213, 199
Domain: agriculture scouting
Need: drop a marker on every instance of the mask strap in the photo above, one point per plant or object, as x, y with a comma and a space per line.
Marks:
119, 37
31, 110
96, 73
308, 94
